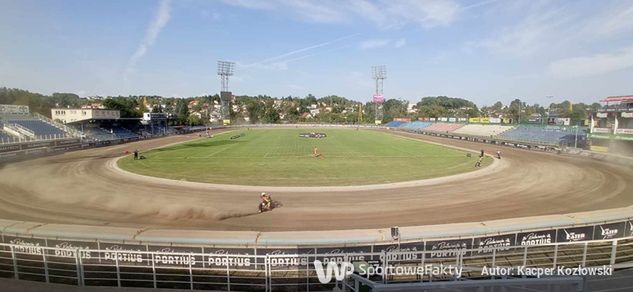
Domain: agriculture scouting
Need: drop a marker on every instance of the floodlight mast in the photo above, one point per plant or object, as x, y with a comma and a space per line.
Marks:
225, 69
379, 74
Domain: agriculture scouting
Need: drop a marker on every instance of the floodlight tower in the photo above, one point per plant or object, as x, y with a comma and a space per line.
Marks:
225, 69
379, 74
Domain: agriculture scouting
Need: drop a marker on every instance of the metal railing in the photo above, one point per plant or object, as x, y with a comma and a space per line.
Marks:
356, 283
124, 266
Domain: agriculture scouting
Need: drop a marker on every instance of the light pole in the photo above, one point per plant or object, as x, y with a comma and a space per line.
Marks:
549, 108
576, 137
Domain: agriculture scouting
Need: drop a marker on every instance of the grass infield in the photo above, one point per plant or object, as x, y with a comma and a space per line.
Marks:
279, 157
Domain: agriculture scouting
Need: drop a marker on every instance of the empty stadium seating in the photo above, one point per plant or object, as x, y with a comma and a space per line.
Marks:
98, 134
40, 128
416, 125
482, 130
115, 133
123, 133
394, 124
547, 134
443, 127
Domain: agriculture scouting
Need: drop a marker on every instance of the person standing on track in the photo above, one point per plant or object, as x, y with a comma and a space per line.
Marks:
316, 153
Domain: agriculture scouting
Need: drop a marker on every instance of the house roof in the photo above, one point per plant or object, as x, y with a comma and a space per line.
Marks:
618, 98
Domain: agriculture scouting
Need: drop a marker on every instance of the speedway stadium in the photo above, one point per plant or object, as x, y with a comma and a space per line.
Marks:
88, 214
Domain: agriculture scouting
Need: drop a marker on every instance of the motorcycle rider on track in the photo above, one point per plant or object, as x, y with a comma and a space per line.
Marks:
266, 202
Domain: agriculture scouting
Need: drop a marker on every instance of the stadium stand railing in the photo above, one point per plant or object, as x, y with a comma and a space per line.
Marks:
6, 137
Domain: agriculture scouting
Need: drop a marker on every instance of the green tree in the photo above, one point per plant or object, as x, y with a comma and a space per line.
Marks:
181, 111
126, 105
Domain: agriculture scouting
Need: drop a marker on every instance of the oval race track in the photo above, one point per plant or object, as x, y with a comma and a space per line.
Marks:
80, 188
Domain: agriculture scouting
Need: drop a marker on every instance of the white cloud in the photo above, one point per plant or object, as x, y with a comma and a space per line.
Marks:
384, 13
545, 27
618, 19
540, 29
592, 65
374, 44
280, 62
162, 16
379, 43
251, 4
427, 14
400, 43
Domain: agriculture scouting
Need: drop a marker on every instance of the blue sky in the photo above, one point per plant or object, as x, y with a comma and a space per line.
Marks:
482, 50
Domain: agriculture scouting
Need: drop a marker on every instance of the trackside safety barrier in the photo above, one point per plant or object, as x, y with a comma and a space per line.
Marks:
123, 266
356, 283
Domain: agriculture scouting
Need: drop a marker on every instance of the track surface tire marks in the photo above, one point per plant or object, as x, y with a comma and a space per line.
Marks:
79, 188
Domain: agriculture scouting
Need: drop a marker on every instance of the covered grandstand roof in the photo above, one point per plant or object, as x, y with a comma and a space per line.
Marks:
618, 98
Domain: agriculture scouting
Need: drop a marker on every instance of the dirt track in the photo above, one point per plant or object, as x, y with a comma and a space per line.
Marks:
78, 188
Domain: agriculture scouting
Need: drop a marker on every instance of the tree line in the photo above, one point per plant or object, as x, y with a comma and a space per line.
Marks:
200, 110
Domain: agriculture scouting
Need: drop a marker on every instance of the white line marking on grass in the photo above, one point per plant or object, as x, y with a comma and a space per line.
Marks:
216, 152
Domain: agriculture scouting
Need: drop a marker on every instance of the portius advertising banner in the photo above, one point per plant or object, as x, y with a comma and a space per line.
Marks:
448, 248
536, 237
486, 245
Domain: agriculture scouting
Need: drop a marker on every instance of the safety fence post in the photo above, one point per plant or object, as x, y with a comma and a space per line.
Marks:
584, 254
228, 273
15, 263
385, 267
555, 261
614, 248
80, 268
118, 270
45, 265
190, 277
154, 269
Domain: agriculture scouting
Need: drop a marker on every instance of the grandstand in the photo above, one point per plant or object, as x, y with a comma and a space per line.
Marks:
17, 124
551, 135
482, 130
39, 128
536, 134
